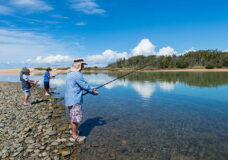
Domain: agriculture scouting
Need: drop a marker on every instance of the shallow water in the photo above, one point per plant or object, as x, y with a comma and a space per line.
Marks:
160, 116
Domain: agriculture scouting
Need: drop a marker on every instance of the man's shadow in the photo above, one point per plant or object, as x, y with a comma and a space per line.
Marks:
86, 127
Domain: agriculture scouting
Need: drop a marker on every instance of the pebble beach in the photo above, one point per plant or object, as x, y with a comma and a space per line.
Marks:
31, 132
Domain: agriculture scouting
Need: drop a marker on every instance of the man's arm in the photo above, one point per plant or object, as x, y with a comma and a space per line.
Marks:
85, 85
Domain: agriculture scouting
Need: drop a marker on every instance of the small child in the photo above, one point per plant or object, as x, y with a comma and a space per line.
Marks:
26, 84
47, 78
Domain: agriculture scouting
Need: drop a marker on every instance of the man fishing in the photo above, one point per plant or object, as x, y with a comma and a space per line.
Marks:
75, 84
47, 78
26, 84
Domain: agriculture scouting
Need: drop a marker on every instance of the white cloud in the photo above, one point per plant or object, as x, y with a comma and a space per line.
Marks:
87, 6
80, 23
166, 51
189, 50
108, 56
31, 5
166, 86
5, 10
51, 59
21, 45
145, 89
145, 47
59, 16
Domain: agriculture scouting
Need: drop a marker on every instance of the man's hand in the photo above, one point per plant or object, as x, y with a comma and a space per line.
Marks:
94, 89
96, 93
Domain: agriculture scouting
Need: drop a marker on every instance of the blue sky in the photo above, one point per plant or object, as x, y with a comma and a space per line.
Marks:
50, 32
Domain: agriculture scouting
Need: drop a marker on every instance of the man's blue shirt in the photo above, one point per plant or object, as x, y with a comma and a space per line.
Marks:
46, 76
75, 84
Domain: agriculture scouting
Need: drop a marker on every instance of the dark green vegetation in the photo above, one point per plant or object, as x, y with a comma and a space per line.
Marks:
208, 59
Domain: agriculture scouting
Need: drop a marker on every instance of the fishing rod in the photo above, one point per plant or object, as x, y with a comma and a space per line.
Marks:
119, 78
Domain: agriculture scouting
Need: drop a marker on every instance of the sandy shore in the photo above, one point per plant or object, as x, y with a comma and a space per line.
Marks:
56, 71
32, 132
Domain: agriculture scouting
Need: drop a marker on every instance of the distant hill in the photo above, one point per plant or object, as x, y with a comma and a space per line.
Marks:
208, 59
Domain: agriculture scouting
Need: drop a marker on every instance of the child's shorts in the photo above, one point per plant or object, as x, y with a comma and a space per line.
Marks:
27, 93
46, 85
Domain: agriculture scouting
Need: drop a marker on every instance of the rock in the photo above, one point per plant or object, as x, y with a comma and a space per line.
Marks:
55, 143
56, 157
1, 125
123, 142
34, 146
51, 133
42, 147
102, 150
37, 151
45, 154
69, 144
20, 149
65, 153
27, 129
26, 154
16, 153
112, 156
6, 145
55, 151
29, 140
47, 116
4, 151
61, 140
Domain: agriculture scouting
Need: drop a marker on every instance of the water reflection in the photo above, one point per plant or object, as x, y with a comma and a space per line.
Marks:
154, 116
166, 86
102, 78
145, 89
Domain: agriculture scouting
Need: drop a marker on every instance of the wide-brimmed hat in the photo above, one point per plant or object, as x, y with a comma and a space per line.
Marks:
25, 70
49, 69
80, 60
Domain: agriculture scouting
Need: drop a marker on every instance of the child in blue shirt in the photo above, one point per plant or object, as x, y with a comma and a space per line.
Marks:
47, 78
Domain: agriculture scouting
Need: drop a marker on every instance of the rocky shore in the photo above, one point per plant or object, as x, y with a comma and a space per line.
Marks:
31, 132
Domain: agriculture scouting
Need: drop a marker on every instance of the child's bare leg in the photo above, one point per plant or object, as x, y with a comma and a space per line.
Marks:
26, 99
47, 90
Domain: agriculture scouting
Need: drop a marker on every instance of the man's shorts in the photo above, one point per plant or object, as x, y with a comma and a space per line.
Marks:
27, 93
46, 85
76, 113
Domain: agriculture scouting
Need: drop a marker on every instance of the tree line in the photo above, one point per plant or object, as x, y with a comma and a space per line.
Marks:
194, 59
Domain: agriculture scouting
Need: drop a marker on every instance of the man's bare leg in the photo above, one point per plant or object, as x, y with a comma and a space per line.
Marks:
74, 127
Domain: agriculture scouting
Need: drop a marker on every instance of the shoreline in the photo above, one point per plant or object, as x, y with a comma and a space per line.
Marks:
38, 131
58, 71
